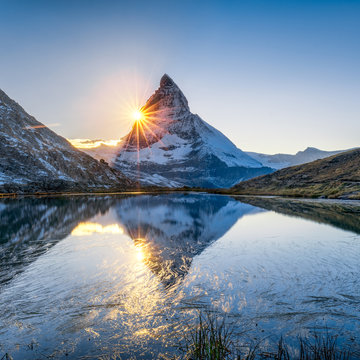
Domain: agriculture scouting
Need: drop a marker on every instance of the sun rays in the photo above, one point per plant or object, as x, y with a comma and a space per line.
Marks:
148, 127
143, 118
138, 115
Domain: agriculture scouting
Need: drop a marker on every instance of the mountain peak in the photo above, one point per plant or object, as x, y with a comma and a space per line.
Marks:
311, 149
166, 81
168, 97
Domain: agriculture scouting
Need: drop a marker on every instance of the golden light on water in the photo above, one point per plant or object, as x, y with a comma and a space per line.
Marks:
88, 228
139, 254
140, 247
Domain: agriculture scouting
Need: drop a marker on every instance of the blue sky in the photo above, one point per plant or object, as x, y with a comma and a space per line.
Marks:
274, 76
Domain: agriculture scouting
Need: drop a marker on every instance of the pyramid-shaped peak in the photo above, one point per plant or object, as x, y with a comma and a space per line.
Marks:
166, 81
168, 98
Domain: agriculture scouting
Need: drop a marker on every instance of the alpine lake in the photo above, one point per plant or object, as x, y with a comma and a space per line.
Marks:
126, 276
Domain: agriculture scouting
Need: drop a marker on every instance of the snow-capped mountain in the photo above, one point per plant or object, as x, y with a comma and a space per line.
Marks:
34, 158
280, 161
173, 147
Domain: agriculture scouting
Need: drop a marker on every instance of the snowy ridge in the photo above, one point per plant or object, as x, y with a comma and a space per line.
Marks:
219, 145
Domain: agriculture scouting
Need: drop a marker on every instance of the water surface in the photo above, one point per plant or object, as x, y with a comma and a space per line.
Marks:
99, 277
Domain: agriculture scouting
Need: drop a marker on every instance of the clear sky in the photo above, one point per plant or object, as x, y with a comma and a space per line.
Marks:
274, 76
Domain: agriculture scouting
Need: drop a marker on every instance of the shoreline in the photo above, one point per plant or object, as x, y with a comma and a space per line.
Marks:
180, 190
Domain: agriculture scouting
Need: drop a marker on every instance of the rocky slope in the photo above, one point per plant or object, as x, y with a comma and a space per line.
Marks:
34, 158
280, 161
337, 176
173, 147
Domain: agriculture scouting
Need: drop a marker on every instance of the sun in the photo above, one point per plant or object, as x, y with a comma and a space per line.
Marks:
138, 115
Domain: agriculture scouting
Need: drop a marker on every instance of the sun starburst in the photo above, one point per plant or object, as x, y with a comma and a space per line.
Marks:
146, 128
138, 115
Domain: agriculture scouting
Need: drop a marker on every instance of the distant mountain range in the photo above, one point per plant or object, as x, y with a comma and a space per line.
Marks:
98, 149
34, 158
336, 176
173, 147
280, 161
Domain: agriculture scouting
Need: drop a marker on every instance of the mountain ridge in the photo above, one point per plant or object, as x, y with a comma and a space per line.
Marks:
280, 160
35, 158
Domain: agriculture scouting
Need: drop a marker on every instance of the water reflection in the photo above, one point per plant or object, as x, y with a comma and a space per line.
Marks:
169, 230
99, 277
89, 228
341, 214
102, 268
31, 226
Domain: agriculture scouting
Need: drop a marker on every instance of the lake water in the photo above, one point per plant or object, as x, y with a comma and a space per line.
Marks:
125, 276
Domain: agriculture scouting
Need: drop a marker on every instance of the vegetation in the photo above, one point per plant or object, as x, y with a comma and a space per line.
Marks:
212, 339
6, 357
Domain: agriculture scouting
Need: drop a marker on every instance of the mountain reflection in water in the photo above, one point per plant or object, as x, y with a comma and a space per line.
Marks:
172, 229
107, 276
31, 226
341, 214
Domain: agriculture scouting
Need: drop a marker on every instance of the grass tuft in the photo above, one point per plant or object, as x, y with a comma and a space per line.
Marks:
7, 357
212, 339
322, 348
